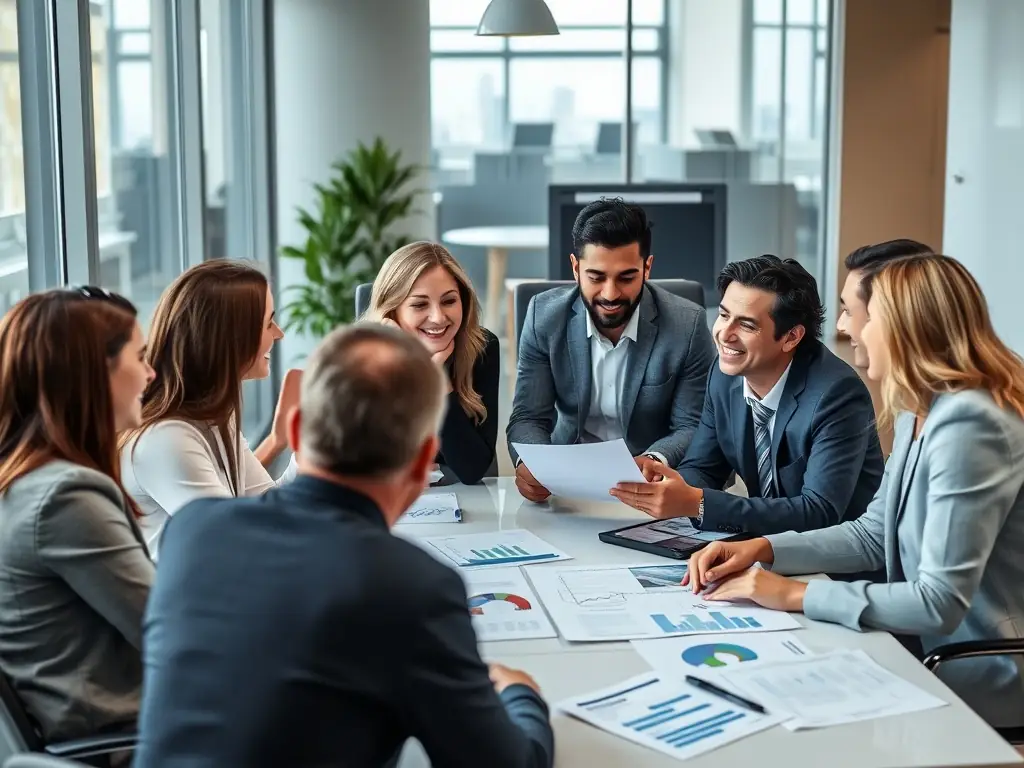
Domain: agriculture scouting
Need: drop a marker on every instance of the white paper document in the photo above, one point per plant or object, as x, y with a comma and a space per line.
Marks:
436, 475
830, 689
667, 715
495, 549
709, 654
638, 602
583, 471
433, 507
503, 606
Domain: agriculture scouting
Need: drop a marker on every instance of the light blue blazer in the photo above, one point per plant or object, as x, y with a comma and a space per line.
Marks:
947, 524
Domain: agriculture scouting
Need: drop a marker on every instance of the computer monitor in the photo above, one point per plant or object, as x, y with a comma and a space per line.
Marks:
609, 139
715, 137
687, 227
533, 135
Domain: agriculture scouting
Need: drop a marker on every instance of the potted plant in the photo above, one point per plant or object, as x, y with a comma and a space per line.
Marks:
349, 234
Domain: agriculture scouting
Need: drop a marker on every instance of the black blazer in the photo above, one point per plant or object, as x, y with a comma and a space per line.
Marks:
826, 458
467, 448
294, 629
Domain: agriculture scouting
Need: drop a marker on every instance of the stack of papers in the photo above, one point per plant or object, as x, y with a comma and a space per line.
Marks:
495, 549
667, 715
584, 471
830, 689
590, 604
706, 655
433, 507
504, 607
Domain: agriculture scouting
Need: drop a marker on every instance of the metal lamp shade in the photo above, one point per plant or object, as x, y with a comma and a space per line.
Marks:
517, 18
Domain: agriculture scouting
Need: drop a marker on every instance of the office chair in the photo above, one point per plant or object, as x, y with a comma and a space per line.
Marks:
687, 289
20, 734
975, 649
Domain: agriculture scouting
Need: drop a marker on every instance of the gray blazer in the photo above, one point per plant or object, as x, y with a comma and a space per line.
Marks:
74, 579
665, 377
947, 524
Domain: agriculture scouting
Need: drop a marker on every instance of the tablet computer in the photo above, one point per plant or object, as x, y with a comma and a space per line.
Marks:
675, 538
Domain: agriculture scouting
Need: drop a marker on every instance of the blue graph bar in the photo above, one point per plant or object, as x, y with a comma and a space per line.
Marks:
496, 560
739, 622
478, 553
753, 622
687, 731
677, 699
662, 621
712, 729
520, 550
504, 552
671, 717
724, 621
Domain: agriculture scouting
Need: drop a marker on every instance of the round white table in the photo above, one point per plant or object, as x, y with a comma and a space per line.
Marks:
949, 736
498, 241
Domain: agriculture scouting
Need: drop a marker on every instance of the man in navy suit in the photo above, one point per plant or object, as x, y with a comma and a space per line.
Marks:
786, 415
292, 629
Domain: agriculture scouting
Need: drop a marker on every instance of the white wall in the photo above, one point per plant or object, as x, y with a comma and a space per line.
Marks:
345, 71
705, 67
984, 215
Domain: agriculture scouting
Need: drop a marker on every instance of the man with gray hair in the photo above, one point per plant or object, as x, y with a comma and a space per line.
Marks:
294, 629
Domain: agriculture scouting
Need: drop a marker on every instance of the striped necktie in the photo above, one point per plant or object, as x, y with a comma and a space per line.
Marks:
763, 445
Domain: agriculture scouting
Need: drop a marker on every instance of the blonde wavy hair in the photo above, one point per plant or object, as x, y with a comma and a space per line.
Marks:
940, 338
393, 285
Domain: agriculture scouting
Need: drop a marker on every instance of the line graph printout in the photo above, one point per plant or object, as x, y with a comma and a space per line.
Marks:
667, 715
503, 606
433, 507
591, 604
495, 549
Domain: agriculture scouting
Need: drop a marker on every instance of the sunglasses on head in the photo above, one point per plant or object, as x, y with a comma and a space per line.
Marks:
94, 292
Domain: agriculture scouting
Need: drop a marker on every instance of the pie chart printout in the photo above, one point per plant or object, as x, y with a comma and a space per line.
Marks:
717, 655
477, 602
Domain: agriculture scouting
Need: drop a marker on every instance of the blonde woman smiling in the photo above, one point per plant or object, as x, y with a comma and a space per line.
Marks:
425, 292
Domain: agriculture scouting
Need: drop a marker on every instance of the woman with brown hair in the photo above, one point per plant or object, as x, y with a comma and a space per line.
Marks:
424, 291
947, 523
213, 328
73, 562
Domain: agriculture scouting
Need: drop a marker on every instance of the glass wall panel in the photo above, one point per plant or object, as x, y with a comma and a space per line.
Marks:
14, 282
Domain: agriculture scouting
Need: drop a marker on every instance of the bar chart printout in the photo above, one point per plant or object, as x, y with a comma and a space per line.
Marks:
667, 715
718, 622
496, 548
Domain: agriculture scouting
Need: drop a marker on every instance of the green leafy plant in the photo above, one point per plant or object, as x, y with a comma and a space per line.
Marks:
349, 234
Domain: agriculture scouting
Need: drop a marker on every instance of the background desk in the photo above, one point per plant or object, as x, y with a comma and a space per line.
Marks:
950, 736
498, 241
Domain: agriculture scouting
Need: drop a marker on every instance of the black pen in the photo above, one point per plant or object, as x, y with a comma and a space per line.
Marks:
704, 685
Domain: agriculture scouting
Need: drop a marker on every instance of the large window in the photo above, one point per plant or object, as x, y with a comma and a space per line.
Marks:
14, 282
481, 88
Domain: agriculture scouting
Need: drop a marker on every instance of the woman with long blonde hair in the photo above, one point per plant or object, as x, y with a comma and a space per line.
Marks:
213, 328
424, 291
947, 523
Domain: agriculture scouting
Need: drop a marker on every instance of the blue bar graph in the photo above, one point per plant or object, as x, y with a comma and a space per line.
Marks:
491, 559
689, 622
520, 550
661, 704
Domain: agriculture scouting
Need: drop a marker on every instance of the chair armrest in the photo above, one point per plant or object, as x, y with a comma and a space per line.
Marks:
93, 745
974, 649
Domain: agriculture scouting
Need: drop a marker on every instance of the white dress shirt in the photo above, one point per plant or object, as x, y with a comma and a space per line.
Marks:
172, 463
771, 400
608, 376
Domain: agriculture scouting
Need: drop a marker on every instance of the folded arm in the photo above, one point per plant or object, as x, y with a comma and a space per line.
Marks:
533, 407
688, 399
468, 447
842, 428
970, 493
87, 540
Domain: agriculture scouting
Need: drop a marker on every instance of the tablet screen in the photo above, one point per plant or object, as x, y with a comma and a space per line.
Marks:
677, 533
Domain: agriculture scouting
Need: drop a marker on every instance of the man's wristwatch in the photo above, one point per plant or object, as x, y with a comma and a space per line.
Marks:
654, 457
698, 521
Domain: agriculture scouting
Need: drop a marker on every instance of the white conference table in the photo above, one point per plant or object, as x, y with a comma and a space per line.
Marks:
949, 736
498, 241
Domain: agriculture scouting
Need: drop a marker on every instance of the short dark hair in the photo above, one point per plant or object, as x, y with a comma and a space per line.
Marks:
871, 258
611, 223
796, 292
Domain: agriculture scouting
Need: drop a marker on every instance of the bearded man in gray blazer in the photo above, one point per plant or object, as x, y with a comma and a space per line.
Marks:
613, 356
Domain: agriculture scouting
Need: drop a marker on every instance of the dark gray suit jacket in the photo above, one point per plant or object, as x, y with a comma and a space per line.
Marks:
826, 459
665, 378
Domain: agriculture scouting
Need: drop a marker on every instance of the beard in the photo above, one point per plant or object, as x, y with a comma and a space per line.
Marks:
625, 309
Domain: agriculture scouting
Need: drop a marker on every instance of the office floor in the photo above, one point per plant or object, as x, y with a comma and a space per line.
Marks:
840, 347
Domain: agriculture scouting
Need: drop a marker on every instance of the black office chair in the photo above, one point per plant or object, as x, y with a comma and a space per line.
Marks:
975, 649
363, 292
687, 289
20, 734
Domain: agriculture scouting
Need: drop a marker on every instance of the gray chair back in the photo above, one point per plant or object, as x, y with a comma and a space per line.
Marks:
363, 292
30, 760
687, 289
17, 732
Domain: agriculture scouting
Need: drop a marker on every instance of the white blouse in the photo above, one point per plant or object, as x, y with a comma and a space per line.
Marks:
172, 463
